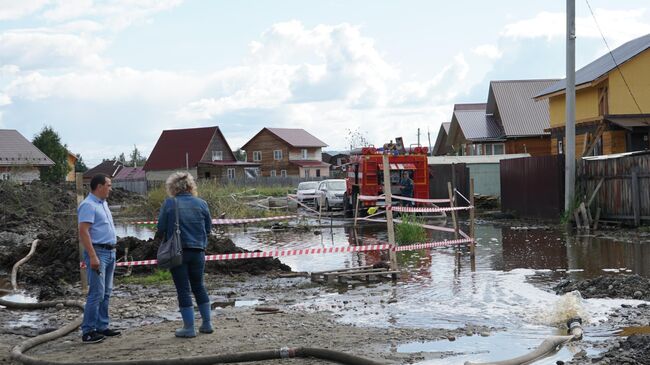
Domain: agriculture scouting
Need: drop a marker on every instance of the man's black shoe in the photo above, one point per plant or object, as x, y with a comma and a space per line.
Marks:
109, 332
92, 337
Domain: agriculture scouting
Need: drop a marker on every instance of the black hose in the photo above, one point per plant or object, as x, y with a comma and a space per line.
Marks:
18, 352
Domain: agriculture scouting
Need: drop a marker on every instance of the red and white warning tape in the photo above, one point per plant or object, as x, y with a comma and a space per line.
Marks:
306, 251
399, 197
397, 208
233, 221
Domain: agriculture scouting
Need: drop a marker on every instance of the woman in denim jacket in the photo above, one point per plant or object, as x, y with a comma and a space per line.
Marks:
195, 225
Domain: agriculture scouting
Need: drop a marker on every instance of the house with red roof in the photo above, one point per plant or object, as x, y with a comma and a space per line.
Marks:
204, 152
287, 152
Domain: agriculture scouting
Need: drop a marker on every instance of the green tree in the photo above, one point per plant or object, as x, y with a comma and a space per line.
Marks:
49, 142
137, 159
80, 166
122, 158
240, 155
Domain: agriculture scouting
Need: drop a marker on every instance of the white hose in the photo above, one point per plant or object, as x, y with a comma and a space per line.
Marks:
14, 271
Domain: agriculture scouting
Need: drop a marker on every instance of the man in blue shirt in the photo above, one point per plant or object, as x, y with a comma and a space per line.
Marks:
97, 235
407, 187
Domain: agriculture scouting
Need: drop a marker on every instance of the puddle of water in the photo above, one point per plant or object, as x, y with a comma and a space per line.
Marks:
134, 230
20, 297
246, 303
498, 346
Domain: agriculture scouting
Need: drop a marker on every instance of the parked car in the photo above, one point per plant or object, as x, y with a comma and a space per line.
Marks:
330, 193
307, 191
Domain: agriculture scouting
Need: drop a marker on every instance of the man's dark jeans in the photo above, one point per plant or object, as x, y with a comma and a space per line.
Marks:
188, 278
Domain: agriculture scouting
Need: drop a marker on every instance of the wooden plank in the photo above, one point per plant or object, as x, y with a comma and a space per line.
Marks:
576, 216
597, 218
389, 212
585, 217
471, 216
453, 212
593, 194
79, 178
636, 209
344, 269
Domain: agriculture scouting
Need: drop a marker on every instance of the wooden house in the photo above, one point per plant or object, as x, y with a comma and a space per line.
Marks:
511, 122
110, 168
441, 148
20, 159
204, 152
287, 152
612, 103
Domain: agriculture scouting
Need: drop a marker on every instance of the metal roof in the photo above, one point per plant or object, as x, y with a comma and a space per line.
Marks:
446, 125
110, 168
512, 103
173, 145
16, 150
297, 137
440, 147
603, 65
477, 126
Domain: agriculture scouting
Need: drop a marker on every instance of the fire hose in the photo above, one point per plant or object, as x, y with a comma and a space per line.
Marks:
549, 345
18, 352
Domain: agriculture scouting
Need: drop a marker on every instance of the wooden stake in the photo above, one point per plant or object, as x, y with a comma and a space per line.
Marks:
79, 187
597, 218
471, 216
453, 212
593, 195
356, 209
389, 212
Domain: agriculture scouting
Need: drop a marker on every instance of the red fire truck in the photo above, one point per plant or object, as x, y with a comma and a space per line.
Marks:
365, 174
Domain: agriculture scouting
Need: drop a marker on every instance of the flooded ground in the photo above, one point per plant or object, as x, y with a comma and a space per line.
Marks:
506, 287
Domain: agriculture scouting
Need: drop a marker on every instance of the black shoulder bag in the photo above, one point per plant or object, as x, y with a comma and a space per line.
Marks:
170, 252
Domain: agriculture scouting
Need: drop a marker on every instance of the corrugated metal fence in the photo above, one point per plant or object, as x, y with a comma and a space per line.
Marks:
624, 193
533, 187
440, 175
134, 185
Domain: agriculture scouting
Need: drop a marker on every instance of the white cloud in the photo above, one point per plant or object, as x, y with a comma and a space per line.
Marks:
41, 48
618, 26
4, 99
16, 9
488, 50
116, 15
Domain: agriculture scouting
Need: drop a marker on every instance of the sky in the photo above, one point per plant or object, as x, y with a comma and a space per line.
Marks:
111, 75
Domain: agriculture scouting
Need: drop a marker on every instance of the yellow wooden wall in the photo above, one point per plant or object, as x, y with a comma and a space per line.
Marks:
586, 107
613, 142
637, 75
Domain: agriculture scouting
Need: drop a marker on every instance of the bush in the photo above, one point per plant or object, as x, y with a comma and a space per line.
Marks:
220, 198
158, 277
409, 230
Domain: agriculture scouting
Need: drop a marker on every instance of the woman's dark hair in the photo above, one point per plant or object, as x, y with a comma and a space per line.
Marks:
99, 179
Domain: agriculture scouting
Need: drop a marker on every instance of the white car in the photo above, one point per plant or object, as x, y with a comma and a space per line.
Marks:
307, 192
331, 193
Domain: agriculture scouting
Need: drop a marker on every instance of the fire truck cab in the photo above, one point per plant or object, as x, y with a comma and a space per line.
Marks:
365, 174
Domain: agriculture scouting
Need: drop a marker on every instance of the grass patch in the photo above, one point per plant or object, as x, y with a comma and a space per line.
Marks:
409, 231
159, 277
219, 198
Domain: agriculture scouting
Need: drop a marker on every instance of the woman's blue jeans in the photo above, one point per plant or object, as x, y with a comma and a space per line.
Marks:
188, 278
100, 286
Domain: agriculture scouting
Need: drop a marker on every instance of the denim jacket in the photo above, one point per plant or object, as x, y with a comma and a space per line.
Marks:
193, 217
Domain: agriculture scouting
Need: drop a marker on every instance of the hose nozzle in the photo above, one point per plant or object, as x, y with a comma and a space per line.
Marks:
574, 328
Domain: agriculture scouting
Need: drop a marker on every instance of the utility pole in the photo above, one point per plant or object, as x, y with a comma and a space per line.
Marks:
418, 136
570, 129
429, 137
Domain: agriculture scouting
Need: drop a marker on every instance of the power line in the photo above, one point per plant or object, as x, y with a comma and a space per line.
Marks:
615, 63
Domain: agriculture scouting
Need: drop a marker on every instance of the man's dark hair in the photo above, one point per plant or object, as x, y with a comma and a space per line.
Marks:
99, 179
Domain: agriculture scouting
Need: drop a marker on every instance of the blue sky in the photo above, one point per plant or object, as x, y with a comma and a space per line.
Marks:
111, 75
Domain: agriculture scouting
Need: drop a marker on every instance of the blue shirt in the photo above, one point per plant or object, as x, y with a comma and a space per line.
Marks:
95, 211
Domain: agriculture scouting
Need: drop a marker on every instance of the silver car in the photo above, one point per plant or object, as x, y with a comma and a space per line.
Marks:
331, 193
307, 192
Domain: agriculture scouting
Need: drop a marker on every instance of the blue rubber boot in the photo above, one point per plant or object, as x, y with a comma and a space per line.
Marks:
188, 323
206, 325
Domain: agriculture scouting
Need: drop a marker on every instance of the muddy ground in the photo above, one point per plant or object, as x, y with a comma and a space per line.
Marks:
148, 314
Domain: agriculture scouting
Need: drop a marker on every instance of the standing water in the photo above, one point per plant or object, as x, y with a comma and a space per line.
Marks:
507, 287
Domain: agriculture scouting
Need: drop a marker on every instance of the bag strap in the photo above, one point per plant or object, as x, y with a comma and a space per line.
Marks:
178, 226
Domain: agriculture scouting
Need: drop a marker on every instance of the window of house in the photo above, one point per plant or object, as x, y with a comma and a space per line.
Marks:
479, 149
5, 176
252, 172
272, 173
317, 172
307, 172
231, 173
488, 149
277, 154
560, 147
283, 173
498, 149
207, 175
257, 155
303, 153
217, 155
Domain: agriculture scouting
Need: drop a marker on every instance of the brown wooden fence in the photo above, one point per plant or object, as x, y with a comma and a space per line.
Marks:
440, 175
622, 186
533, 187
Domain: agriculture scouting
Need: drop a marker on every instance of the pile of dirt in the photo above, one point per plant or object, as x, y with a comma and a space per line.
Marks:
120, 196
619, 286
144, 250
36, 207
634, 350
